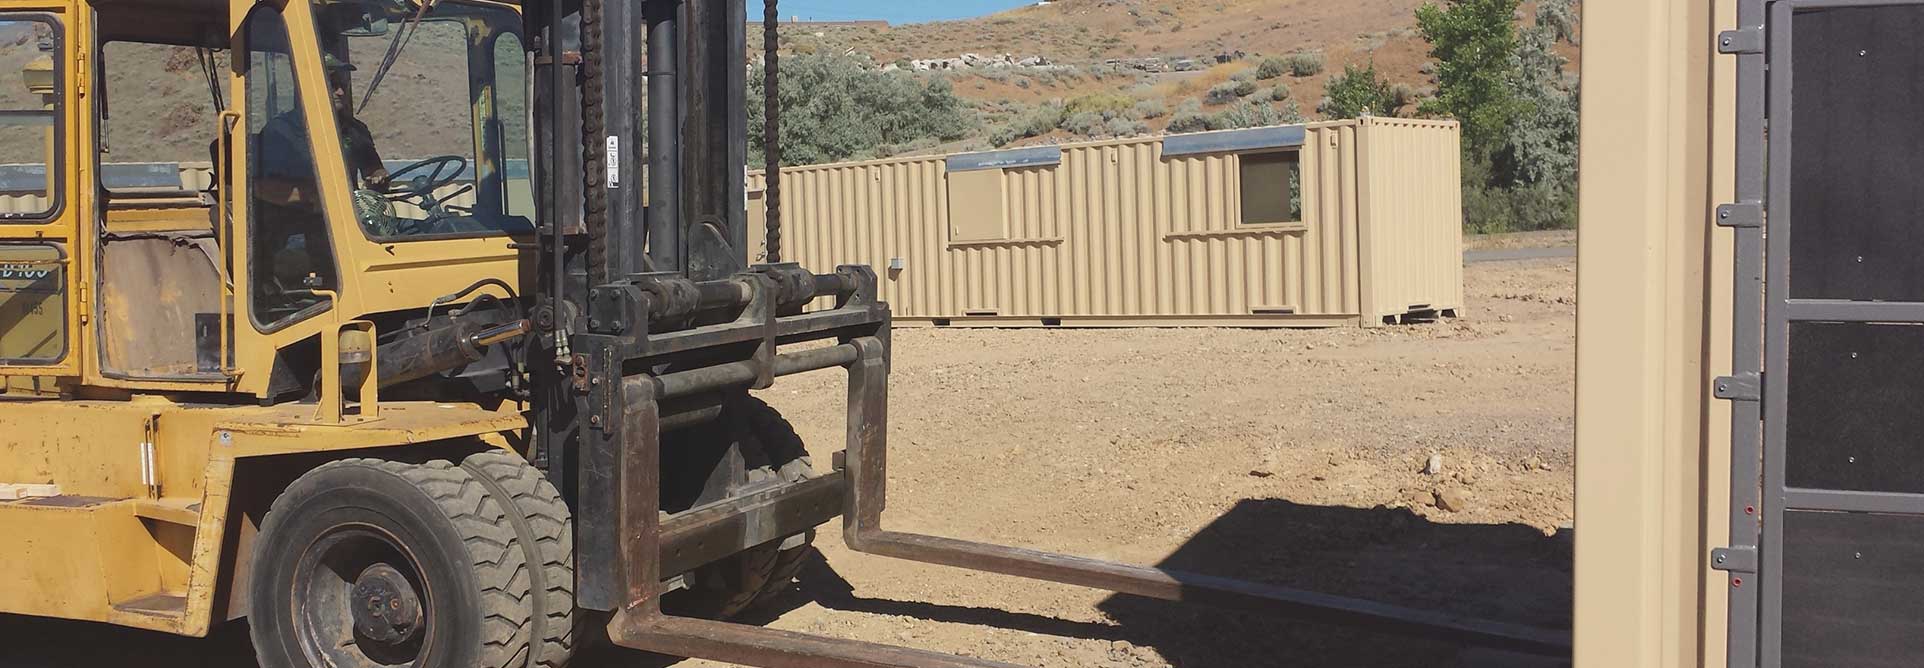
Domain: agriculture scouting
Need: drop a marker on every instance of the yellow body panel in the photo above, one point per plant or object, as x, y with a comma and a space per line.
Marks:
108, 550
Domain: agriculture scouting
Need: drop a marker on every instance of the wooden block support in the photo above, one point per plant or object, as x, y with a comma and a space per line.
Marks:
18, 491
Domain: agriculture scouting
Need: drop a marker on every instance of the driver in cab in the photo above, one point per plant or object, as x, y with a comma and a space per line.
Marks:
357, 143
284, 150
293, 226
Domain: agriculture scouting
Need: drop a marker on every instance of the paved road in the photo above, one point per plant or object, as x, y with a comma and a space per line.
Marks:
1513, 254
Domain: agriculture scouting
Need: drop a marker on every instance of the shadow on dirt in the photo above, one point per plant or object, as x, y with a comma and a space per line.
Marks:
27, 642
1505, 572
1510, 573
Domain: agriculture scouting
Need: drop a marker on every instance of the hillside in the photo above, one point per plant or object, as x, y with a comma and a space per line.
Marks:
1148, 60
1073, 49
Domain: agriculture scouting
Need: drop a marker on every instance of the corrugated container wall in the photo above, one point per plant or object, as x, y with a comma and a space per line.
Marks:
1324, 224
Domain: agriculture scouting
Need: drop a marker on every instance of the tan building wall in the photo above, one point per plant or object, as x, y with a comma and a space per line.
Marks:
1134, 232
1653, 329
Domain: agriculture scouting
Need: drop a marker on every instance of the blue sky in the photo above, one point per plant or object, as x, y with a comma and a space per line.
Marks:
893, 11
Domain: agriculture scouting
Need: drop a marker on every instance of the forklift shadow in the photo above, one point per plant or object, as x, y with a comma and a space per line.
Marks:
1509, 572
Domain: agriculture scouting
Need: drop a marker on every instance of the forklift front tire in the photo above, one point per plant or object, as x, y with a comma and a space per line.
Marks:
367, 562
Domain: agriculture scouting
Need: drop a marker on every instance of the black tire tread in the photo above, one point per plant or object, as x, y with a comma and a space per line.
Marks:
546, 529
494, 552
789, 455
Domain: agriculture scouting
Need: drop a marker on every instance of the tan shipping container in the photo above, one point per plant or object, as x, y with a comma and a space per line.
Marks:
1158, 231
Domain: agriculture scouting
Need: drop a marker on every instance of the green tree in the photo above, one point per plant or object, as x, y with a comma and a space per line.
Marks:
1542, 141
1519, 112
1358, 90
839, 108
1474, 43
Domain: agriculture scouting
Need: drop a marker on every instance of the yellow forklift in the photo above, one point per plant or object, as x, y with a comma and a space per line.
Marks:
449, 396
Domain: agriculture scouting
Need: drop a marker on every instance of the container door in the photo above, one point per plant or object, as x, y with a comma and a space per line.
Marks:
1839, 568
40, 304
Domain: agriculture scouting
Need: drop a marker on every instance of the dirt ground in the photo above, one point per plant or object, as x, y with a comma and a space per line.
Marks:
1287, 456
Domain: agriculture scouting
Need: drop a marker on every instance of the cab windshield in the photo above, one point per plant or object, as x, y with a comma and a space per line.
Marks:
431, 107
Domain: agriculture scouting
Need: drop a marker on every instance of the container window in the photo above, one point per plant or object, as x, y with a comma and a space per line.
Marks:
1272, 188
976, 209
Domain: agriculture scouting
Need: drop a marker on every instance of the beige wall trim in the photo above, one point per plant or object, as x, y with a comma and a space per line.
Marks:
1652, 330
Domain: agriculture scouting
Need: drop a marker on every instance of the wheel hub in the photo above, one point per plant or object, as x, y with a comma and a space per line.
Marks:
386, 609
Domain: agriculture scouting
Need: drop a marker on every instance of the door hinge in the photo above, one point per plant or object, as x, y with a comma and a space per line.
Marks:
1734, 559
1741, 41
1741, 387
1741, 214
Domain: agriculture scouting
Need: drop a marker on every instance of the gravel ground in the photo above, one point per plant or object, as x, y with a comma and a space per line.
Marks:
1293, 457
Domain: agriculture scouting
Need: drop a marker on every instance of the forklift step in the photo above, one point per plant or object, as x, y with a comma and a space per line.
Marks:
172, 606
182, 511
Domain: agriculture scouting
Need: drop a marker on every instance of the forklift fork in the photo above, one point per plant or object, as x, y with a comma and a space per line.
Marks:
642, 625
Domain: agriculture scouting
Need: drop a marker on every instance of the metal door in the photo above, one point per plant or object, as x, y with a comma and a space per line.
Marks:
1827, 557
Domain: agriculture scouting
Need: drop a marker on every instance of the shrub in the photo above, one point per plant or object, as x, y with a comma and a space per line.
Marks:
1151, 109
1358, 90
837, 107
1189, 105
1402, 96
1188, 121
1229, 91
1245, 75
1271, 68
1085, 124
1279, 93
1304, 64
1248, 114
1123, 127
1100, 103
1035, 122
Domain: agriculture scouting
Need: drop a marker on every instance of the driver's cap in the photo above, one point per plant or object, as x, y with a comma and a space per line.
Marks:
332, 64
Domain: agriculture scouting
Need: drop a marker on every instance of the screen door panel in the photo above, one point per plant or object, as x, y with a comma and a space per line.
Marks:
1840, 560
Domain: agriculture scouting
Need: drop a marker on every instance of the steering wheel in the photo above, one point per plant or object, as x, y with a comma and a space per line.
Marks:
436, 173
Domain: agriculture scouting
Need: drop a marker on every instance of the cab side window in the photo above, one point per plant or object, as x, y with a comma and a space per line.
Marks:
290, 255
30, 125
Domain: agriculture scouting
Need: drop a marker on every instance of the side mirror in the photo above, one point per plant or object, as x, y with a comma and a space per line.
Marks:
358, 19
369, 26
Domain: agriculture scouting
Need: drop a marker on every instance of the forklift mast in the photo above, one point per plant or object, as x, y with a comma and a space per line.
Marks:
650, 317
620, 81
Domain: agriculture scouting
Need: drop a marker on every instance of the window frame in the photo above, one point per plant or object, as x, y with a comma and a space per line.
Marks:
475, 18
1242, 192
297, 64
56, 163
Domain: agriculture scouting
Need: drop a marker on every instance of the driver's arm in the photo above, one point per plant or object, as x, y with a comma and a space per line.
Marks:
365, 157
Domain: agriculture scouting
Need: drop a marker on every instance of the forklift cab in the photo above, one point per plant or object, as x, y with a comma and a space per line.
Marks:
195, 193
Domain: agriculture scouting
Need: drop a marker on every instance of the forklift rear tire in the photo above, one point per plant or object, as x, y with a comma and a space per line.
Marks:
368, 562
545, 527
